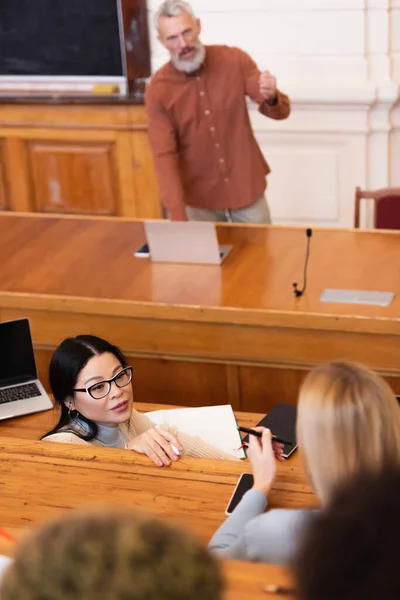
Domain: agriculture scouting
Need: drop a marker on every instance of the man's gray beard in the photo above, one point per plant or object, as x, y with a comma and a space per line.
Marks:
188, 66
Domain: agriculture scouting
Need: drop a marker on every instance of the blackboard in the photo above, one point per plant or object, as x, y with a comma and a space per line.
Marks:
60, 38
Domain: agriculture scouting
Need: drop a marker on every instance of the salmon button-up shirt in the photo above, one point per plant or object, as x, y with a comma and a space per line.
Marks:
204, 149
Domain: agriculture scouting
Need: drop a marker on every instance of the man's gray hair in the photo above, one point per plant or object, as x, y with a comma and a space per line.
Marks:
173, 8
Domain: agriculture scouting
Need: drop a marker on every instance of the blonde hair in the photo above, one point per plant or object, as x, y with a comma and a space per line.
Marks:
111, 555
348, 422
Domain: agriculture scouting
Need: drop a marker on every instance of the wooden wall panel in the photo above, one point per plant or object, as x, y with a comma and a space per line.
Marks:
190, 383
394, 383
43, 358
181, 382
263, 387
147, 201
73, 177
77, 158
3, 183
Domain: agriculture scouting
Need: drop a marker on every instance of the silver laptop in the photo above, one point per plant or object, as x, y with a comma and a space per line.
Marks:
185, 242
21, 392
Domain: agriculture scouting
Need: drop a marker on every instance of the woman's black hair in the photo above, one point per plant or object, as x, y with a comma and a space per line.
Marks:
67, 362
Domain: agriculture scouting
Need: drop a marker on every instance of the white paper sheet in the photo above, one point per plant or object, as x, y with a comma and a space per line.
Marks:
5, 562
215, 425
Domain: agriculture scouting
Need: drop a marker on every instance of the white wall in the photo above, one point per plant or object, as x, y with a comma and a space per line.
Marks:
339, 61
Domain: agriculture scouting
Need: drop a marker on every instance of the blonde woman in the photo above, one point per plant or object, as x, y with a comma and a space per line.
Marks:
348, 422
111, 555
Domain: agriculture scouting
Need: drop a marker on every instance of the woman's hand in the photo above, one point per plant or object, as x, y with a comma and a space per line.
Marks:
156, 444
262, 453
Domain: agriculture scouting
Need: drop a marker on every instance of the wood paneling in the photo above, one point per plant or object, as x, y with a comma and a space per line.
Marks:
180, 382
263, 387
145, 182
81, 159
255, 389
73, 178
3, 183
43, 358
394, 383
16, 171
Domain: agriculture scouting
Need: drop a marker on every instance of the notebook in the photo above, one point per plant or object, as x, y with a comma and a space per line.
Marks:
21, 392
281, 420
215, 425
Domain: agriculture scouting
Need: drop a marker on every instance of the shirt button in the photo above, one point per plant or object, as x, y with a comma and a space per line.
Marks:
201, 93
226, 179
212, 129
206, 112
217, 145
221, 160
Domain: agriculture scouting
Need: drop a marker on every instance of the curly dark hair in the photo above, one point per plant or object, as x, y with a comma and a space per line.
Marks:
351, 550
112, 555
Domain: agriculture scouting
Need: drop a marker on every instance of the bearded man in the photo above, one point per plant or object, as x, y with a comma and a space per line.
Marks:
207, 161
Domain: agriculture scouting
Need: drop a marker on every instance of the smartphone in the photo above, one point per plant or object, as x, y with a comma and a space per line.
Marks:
143, 251
245, 483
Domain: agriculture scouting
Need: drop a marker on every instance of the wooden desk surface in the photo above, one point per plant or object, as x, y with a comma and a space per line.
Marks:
75, 260
199, 334
41, 479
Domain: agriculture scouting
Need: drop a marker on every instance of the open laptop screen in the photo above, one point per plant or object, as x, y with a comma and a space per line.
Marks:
17, 360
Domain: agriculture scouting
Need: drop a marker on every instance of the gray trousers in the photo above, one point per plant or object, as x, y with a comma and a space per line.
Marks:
258, 212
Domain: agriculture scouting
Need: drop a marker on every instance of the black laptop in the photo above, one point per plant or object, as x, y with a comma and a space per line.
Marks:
21, 392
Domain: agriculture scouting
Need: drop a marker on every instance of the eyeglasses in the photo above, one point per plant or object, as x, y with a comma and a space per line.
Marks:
102, 388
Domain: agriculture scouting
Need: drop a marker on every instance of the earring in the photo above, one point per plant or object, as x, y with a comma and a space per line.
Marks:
75, 416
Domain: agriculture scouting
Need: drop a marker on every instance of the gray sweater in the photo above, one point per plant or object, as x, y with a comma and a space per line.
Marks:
251, 534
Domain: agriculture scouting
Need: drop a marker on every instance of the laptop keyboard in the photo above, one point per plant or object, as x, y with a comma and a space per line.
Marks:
19, 392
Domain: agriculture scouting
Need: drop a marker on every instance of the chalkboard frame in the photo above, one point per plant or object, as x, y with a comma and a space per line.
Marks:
132, 37
135, 45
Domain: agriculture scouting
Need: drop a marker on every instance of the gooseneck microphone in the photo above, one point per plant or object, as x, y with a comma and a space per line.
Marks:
297, 292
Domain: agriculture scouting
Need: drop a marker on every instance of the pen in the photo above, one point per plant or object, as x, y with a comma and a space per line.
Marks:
259, 434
